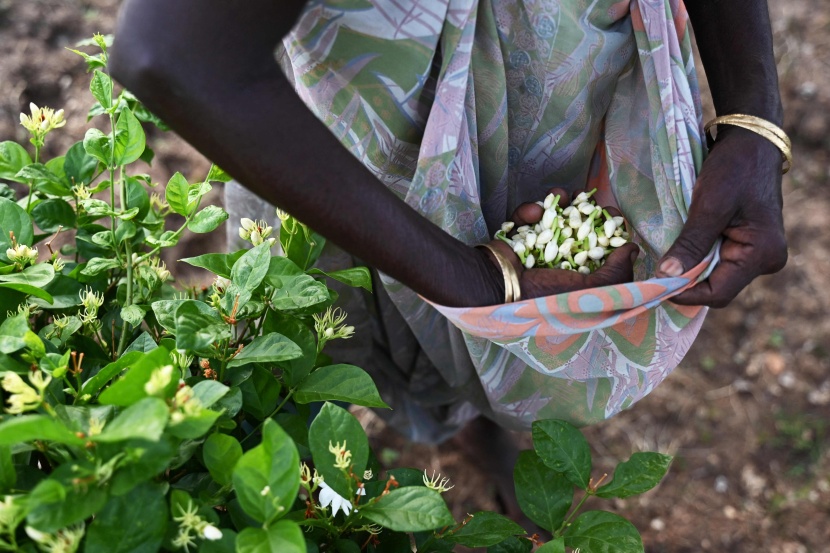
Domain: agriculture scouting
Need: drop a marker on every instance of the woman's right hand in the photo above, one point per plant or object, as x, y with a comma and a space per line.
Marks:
541, 282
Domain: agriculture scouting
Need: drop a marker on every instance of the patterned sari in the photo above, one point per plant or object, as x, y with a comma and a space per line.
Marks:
468, 108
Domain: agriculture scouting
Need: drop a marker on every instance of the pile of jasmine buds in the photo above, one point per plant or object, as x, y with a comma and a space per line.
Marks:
577, 238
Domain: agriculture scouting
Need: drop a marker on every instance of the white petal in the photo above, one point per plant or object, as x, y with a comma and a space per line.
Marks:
609, 227
596, 253
548, 218
617, 241
581, 258
584, 270
548, 201
530, 261
550, 251
592, 239
544, 237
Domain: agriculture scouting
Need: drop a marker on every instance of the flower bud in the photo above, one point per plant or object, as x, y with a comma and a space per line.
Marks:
581, 258
584, 230
551, 250
548, 219
580, 198
592, 239
544, 237
617, 241
586, 208
530, 261
548, 201
609, 227
211, 533
603, 241
565, 247
530, 240
596, 253
567, 232
575, 219
568, 210
619, 221
523, 229
565, 266
584, 270
508, 226
519, 248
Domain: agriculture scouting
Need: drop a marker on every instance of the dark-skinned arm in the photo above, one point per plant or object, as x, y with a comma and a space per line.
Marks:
207, 68
738, 192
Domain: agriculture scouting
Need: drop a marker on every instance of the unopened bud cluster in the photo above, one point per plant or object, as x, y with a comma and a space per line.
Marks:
577, 238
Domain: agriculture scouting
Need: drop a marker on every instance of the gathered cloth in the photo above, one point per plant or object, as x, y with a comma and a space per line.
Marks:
468, 108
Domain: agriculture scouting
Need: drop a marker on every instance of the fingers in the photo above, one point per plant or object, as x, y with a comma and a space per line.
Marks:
741, 262
618, 268
699, 234
527, 214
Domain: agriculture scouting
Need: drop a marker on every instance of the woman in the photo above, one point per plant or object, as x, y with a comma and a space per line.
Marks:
455, 114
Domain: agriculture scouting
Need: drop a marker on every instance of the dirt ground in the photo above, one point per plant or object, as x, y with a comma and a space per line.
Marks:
747, 415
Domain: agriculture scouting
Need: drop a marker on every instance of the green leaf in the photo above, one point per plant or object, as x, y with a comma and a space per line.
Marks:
195, 425
39, 172
208, 219
125, 230
544, 495
519, 545
603, 532
563, 448
54, 505
221, 453
271, 348
176, 194
283, 537
129, 138
411, 509
132, 523
639, 474
78, 165
28, 290
331, 426
98, 265
196, 329
217, 175
260, 393
292, 327
108, 372
294, 288
250, 269
553, 546
133, 315
28, 428
339, 383
53, 213
353, 276
8, 475
14, 218
137, 197
101, 88
36, 275
144, 419
217, 263
208, 392
195, 192
129, 389
13, 158
271, 467
165, 311
98, 145
144, 343
485, 529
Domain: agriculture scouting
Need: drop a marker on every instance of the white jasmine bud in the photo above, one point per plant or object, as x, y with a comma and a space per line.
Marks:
617, 241
568, 210
565, 247
544, 237
586, 208
551, 250
523, 229
508, 226
567, 232
596, 253
548, 219
530, 261
609, 227
549, 201
584, 230
619, 221
581, 258
22, 254
580, 198
565, 266
211, 533
519, 248
584, 270
575, 219
603, 241
592, 239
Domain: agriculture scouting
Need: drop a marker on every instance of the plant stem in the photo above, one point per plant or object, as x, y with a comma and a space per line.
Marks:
274, 412
567, 521
32, 183
122, 342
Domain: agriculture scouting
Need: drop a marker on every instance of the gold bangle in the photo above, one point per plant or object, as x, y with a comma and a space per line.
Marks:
512, 288
762, 127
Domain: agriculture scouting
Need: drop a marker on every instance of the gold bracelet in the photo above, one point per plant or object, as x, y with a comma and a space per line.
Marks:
768, 130
512, 288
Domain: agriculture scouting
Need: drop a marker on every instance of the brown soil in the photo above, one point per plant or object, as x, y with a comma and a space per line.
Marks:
747, 415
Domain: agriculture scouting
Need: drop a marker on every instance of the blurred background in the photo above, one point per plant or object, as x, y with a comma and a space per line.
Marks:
746, 415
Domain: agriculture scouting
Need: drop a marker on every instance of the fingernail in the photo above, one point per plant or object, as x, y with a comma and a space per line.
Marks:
670, 267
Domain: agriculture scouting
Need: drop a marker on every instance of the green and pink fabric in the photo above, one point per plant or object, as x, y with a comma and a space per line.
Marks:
468, 108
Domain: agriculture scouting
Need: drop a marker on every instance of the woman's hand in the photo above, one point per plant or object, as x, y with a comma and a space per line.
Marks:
738, 198
536, 283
